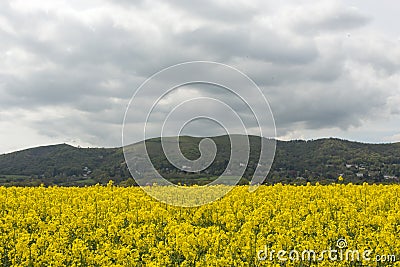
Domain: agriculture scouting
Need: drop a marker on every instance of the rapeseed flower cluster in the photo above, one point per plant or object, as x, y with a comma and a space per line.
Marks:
116, 226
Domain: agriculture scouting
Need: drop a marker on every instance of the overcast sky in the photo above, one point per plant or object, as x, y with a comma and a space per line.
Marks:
68, 68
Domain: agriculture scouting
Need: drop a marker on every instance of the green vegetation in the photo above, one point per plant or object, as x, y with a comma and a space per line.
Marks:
297, 162
62, 165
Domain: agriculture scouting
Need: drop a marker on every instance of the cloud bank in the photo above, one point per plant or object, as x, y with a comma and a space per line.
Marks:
68, 68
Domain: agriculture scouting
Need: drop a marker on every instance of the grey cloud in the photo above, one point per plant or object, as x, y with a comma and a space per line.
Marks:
344, 20
130, 3
262, 44
91, 70
57, 86
74, 44
372, 54
337, 19
324, 106
74, 127
216, 10
328, 67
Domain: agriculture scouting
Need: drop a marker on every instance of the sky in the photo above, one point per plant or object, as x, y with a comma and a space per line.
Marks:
68, 69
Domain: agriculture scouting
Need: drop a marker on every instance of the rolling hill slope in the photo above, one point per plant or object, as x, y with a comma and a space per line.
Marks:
297, 161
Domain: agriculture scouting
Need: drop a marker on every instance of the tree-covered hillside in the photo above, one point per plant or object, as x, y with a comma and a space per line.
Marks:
297, 162
62, 164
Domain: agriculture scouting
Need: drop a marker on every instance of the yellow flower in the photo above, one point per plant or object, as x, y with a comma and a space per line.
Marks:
115, 226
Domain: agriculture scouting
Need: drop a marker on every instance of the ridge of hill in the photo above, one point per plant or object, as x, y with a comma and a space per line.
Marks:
297, 161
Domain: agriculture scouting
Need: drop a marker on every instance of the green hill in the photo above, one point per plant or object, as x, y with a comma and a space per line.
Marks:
297, 162
61, 164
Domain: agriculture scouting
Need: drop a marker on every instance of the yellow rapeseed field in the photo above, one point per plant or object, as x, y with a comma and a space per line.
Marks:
273, 226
